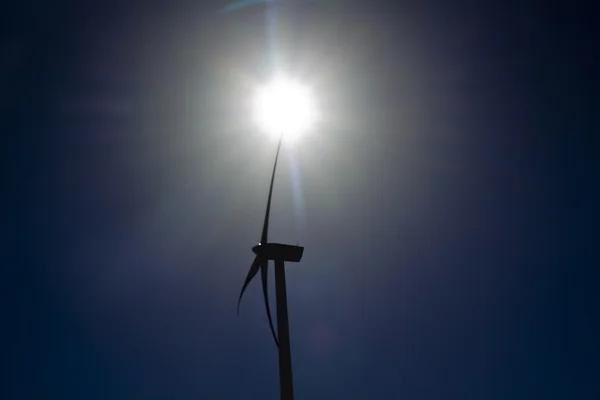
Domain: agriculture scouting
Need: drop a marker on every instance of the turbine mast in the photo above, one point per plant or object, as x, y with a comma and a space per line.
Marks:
286, 386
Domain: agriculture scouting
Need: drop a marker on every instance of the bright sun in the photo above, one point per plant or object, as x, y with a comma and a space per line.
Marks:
284, 107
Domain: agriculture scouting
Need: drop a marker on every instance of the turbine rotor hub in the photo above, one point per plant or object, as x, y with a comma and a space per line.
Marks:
258, 249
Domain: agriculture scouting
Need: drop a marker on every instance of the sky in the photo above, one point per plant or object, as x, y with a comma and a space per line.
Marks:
446, 200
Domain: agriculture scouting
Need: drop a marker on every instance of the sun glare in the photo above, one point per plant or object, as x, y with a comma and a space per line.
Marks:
284, 107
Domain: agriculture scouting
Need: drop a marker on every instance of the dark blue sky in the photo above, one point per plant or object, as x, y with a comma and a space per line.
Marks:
447, 204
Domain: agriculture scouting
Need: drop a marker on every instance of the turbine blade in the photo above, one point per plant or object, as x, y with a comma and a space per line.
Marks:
251, 274
264, 274
265, 231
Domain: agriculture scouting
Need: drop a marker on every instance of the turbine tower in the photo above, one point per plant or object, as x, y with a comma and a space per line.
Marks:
279, 253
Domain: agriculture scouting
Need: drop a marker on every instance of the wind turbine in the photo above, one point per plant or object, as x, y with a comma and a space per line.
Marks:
262, 250
283, 107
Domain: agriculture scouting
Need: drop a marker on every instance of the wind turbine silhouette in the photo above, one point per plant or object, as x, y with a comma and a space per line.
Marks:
279, 253
261, 261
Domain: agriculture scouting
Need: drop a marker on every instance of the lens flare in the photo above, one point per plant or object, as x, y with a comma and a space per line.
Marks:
284, 107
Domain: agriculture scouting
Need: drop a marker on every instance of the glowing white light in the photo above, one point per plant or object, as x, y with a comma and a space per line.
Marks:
284, 107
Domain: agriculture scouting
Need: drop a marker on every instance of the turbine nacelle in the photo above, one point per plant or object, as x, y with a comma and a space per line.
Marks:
279, 252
